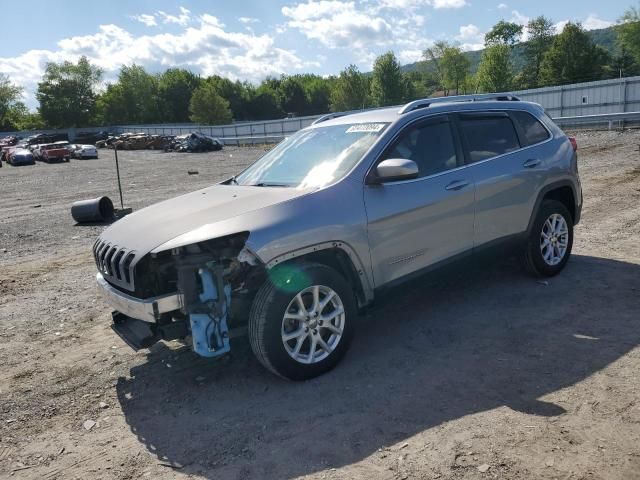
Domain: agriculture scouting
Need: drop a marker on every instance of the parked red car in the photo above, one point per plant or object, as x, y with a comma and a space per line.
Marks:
55, 152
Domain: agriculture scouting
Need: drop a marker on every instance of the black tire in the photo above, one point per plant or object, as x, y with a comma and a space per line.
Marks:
270, 305
533, 259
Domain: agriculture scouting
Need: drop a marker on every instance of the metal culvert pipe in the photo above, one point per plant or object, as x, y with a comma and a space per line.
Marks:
94, 210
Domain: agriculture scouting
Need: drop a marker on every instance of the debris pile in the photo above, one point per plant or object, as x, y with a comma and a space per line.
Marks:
192, 142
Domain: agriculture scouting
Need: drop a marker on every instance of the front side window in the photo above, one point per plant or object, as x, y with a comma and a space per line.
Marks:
314, 157
430, 145
488, 136
534, 131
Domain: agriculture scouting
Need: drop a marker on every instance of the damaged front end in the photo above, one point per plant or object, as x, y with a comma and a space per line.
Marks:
205, 293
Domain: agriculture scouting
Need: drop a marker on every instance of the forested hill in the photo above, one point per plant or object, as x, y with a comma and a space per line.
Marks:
605, 37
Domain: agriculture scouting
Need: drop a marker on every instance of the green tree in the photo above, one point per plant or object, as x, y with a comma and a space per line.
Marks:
350, 91
415, 85
209, 108
263, 104
27, 120
175, 88
134, 98
541, 32
495, 72
572, 58
236, 93
318, 92
433, 56
386, 84
67, 93
293, 98
623, 64
629, 32
505, 33
454, 67
10, 104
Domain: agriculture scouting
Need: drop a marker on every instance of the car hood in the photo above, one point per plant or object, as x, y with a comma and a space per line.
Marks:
157, 224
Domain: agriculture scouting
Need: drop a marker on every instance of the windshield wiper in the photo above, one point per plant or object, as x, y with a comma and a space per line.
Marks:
269, 184
233, 180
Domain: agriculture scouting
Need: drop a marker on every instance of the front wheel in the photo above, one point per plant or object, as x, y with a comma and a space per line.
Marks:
550, 241
301, 321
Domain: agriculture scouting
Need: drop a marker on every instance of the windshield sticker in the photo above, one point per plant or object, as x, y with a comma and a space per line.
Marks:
365, 128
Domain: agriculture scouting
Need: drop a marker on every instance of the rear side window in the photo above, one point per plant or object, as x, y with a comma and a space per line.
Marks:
488, 136
534, 131
430, 145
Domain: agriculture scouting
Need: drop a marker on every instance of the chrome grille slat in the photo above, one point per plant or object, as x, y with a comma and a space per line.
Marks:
107, 260
115, 263
101, 252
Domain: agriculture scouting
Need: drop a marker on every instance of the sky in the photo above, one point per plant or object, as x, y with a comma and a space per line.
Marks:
252, 39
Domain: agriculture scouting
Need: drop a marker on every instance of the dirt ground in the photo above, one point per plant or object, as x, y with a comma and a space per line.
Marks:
480, 373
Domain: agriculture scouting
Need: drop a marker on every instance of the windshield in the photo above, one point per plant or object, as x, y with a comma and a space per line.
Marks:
313, 157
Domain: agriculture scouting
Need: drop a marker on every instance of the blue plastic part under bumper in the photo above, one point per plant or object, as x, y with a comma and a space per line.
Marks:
209, 331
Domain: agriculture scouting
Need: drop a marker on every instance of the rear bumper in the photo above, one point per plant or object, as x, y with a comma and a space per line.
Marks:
148, 309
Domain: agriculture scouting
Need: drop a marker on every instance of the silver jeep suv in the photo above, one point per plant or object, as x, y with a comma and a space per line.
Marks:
314, 230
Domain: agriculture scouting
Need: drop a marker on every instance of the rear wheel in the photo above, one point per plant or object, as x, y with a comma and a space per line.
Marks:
549, 245
301, 321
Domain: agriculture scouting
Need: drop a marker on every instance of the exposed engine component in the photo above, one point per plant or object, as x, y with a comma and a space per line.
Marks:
208, 274
209, 329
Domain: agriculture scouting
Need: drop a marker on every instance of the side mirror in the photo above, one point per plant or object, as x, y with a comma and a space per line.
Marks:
394, 169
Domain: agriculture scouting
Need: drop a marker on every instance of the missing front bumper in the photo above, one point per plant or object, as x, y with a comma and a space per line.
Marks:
139, 334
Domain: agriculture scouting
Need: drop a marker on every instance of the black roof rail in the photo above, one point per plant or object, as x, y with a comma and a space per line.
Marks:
329, 116
427, 102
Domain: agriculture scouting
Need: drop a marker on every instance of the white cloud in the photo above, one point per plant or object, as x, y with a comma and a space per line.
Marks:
437, 4
502, 6
559, 26
410, 56
183, 19
594, 23
317, 10
152, 19
338, 24
470, 38
362, 26
519, 18
470, 31
248, 20
148, 20
205, 47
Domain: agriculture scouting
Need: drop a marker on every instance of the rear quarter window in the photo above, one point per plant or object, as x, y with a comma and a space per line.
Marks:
533, 130
488, 136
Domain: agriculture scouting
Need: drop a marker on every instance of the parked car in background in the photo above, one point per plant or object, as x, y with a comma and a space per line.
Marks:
55, 152
8, 141
90, 138
6, 151
20, 156
37, 150
41, 138
332, 217
83, 151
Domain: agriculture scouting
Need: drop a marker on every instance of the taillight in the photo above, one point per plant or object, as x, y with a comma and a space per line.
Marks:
574, 143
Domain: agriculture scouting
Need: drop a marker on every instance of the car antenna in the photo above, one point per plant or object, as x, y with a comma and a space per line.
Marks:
123, 211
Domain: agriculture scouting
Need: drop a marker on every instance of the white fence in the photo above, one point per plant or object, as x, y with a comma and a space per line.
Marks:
566, 101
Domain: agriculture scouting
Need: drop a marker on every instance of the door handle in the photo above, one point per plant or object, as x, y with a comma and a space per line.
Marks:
457, 185
531, 163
